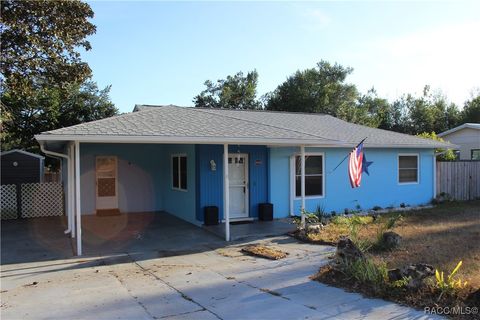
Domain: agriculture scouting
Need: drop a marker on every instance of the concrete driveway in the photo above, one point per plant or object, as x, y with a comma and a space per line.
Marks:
220, 283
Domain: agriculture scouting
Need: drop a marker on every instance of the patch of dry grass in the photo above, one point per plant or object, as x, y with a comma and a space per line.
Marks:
440, 236
264, 252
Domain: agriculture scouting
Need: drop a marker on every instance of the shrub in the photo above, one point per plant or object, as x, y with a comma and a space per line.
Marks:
367, 271
376, 208
310, 218
353, 224
450, 285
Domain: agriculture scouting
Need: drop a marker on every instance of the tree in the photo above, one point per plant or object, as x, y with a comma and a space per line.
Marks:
234, 92
40, 40
374, 111
447, 155
431, 112
49, 109
321, 89
471, 110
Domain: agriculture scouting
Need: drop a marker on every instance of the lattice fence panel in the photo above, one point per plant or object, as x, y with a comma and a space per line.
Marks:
42, 200
9, 201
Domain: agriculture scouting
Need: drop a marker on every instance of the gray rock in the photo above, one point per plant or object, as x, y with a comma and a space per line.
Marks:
314, 228
415, 272
348, 251
391, 239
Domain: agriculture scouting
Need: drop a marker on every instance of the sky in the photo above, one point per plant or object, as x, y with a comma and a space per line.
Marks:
162, 52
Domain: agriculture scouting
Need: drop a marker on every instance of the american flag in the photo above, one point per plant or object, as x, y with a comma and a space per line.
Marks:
355, 165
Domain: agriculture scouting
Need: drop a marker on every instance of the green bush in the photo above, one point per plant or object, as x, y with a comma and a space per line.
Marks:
366, 271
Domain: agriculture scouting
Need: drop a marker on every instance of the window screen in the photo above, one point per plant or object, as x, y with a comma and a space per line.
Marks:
408, 169
313, 176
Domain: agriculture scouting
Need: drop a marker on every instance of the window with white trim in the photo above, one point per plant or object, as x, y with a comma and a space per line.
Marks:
179, 172
313, 176
408, 168
475, 154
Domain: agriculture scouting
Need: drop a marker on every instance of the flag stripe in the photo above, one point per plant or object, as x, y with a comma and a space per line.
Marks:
355, 163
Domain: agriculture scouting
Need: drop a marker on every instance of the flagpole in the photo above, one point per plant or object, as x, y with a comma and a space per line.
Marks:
338, 165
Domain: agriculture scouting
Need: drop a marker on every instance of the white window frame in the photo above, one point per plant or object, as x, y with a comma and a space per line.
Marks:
179, 155
418, 167
293, 174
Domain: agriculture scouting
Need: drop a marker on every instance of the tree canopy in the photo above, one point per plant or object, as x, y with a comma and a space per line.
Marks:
45, 84
235, 92
40, 42
471, 110
322, 89
49, 109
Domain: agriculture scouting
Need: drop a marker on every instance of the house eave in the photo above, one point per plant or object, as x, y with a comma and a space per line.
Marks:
222, 140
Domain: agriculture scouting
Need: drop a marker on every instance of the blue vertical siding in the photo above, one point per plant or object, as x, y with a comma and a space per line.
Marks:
380, 188
210, 183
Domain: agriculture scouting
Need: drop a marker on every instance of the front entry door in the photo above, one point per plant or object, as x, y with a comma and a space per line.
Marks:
238, 185
106, 184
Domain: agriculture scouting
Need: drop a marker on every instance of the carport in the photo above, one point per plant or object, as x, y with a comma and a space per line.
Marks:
43, 239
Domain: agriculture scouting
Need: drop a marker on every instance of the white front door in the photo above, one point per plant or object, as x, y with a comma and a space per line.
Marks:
238, 185
106, 183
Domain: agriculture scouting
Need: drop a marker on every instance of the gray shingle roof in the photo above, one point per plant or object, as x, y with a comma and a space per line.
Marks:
172, 123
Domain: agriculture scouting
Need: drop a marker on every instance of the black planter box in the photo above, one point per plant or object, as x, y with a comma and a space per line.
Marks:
210, 215
265, 211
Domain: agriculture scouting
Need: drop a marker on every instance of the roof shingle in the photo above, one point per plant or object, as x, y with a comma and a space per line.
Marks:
244, 126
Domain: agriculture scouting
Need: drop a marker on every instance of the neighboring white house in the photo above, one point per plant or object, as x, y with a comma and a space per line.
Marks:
467, 136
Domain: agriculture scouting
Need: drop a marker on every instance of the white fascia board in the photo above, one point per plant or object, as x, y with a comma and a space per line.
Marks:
180, 140
460, 127
230, 140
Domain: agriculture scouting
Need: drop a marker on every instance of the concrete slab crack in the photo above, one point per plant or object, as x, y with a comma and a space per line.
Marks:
186, 297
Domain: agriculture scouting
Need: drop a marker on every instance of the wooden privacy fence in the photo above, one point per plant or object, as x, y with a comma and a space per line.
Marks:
31, 200
459, 179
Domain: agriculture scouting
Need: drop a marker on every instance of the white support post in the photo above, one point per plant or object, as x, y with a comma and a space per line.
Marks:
302, 172
77, 199
226, 193
434, 175
71, 188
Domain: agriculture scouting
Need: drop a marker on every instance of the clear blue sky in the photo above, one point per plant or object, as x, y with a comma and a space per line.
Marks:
162, 52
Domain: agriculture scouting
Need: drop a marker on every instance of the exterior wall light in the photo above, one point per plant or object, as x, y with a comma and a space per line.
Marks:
213, 165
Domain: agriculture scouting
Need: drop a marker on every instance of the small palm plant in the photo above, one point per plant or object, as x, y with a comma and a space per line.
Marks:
449, 285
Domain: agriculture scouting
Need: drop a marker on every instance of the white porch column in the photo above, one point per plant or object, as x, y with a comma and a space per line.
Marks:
302, 185
70, 189
77, 199
226, 193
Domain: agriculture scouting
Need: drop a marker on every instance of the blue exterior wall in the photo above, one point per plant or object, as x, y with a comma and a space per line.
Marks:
177, 202
381, 188
210, 183
144, 178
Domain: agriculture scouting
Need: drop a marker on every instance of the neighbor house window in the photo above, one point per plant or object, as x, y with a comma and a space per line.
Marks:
313, 176
179, 172
475, 154
408, 168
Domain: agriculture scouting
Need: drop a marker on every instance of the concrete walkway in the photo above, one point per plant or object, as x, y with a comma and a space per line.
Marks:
210, 284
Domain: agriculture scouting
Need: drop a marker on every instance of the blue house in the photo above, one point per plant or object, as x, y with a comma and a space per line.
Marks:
180, 160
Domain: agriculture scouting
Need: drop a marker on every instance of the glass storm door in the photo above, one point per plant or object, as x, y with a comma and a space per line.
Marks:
106, 184
238, 185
